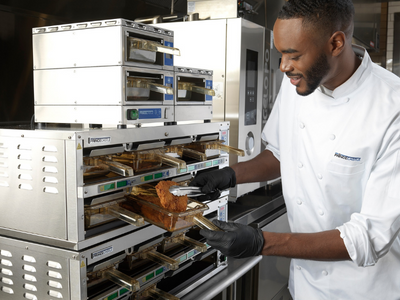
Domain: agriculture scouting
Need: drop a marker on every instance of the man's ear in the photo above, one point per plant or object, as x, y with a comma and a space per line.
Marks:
337, 43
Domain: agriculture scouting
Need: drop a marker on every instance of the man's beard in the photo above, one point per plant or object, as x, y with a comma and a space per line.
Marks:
315, 75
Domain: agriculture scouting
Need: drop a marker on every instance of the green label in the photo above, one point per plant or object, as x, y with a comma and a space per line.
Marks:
159, 271
191, 168
158, 175
122, 184
150, 276
107, 187
208, 164
148, 177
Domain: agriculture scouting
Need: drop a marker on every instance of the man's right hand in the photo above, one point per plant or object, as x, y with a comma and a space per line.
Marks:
212, 182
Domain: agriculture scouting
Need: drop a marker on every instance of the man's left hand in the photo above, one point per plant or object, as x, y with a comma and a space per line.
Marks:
237, 240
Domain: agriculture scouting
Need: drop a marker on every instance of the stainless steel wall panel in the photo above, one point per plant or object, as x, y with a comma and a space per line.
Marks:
35, 182
246, 137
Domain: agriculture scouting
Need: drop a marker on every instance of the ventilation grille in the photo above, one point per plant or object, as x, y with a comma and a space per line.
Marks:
32, 275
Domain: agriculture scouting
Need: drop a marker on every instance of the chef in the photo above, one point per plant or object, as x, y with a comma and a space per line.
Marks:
334, 138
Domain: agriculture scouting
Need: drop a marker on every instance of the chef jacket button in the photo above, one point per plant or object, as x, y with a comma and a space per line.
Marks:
325, 273
319, 176
300, 165
321, 212
332, 137
298, 267
299, 202
301, 125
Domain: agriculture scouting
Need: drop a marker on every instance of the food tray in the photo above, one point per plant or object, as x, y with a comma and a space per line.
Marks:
170, 221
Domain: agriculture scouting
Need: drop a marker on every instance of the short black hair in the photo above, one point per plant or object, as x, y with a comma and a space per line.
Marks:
328, 15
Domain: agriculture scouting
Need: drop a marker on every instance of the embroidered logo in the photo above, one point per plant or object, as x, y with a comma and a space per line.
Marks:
345, 157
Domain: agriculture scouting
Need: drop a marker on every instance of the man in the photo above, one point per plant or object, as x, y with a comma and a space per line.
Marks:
334, 138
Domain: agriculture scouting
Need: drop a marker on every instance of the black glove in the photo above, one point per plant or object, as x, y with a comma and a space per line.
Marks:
212, 182
237, 240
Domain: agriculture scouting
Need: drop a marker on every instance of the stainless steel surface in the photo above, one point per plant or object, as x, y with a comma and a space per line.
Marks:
196, 104
97, 43
98, 95
236, 269
225, 52
274, 271
44, 168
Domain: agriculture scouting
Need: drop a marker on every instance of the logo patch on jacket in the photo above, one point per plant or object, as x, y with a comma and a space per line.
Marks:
345, 157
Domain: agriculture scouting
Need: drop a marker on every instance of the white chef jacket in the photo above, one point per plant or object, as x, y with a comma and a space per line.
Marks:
340, 168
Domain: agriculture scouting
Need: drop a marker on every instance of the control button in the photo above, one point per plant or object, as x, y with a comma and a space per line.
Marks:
54, 274
300, 165
319, 176
29, 278
299, 202
325, 273
298, 267
30, 287
55, 294
54, 284
54, 264
28, 258
321, 212
301, 125
332, 137
132, 114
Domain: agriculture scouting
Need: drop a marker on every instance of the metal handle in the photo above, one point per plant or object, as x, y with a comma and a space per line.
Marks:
205, 223
122, 280
152, 46
125, 215
159, 258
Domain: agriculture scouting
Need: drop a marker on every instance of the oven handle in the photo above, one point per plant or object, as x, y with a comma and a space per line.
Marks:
147, 84
172, 161
118, 168
188, 86
124, 215
231, 150
159, 258
205, 223
187, 241
122, 279
147, 45
159, 294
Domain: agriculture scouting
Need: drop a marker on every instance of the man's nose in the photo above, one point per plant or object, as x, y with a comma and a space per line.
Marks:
285, 65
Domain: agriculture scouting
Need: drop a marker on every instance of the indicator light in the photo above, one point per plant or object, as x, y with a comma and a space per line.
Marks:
132, 114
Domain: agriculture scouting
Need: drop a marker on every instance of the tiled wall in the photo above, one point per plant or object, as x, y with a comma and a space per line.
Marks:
394, 7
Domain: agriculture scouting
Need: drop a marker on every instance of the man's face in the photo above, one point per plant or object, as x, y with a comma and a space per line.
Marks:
303, 58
